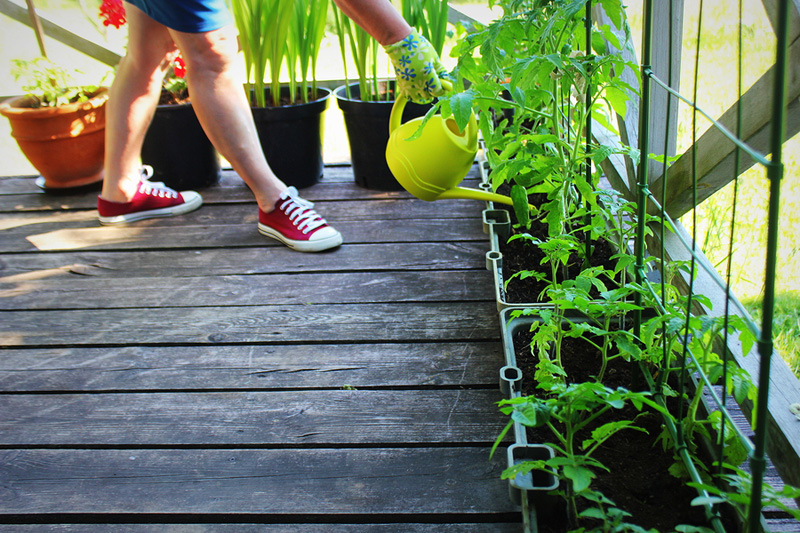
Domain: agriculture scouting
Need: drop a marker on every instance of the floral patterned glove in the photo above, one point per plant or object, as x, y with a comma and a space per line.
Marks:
417, 67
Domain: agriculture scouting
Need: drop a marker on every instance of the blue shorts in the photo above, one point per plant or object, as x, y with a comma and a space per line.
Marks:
188, 16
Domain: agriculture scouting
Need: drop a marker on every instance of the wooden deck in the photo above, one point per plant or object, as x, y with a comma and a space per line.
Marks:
190, 371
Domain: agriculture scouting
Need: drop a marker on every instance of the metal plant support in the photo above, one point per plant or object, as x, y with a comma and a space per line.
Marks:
774, 168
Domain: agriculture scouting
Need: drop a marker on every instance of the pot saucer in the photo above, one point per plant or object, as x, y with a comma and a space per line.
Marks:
95, 185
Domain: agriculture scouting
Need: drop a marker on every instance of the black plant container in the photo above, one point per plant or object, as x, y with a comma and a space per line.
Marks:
367, 125
178, 149
291, 138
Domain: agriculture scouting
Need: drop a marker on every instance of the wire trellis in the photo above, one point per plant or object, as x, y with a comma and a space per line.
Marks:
688, 361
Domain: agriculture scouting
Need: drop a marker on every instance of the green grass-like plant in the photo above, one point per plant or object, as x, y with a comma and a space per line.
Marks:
263, 27
305, 37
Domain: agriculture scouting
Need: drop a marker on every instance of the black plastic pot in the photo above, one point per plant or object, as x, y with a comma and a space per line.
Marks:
367, 125
178, 149
291, 138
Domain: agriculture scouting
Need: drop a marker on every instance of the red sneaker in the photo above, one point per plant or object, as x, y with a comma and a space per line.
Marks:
295, 223
152, 199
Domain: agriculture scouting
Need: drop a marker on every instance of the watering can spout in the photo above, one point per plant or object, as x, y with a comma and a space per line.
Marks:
464, 193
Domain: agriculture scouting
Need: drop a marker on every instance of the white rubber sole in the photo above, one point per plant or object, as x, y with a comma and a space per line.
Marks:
318, 245
193, 201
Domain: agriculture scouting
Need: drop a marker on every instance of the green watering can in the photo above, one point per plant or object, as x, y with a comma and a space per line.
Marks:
431, 166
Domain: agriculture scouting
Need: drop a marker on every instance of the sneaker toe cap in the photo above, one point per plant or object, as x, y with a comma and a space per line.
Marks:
326, 234
191, 196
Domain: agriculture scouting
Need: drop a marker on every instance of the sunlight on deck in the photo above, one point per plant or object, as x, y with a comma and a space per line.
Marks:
77, 238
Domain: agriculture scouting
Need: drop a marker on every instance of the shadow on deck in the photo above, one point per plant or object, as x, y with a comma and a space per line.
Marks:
190, 371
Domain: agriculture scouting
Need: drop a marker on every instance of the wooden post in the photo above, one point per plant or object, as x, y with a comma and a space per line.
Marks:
60, 34
37, 26
620, 171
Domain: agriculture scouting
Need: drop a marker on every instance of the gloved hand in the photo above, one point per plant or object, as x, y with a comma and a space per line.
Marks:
417, 67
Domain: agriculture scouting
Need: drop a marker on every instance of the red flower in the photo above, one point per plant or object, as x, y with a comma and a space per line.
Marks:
112, 12
179, 66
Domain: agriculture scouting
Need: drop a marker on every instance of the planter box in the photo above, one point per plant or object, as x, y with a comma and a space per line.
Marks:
536, 483
497, 224
513, 385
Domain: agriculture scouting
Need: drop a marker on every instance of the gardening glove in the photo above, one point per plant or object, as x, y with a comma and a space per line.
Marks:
418, 69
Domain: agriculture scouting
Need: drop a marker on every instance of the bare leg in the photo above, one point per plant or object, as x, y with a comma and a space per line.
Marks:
132, 101
222, 107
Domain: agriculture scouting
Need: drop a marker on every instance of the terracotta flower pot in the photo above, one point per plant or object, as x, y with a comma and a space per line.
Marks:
66, 143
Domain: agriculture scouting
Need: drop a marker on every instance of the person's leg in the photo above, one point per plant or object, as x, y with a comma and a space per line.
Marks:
132, 101
219, 100
220, 103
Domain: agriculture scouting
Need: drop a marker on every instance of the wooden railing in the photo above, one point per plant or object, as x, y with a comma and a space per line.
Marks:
43, 26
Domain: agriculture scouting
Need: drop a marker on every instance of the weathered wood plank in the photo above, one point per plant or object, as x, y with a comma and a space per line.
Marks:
229, 367
232, 212
661, 120
93, 292
56, 237
241, 213
317, 527
337, 184
368, 257
771, 8
283, 418
255, 324
783, 525
254, 483
386, 221
51, 29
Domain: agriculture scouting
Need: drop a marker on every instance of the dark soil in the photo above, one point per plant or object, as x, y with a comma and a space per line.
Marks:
285, 100
168, 98
520, 254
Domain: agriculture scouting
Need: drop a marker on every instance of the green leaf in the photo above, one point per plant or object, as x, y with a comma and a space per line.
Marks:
581, 477
618, 100
626, 345
707, 500
614, 10
599, 44
593, 512
518, 95
601, 153
520, 198
461, 107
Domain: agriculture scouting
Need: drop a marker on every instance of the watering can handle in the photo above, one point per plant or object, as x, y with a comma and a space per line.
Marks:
400, 103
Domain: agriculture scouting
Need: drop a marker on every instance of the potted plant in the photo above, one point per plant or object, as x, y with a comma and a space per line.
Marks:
59, 126
176, 146
367, 103
288, 118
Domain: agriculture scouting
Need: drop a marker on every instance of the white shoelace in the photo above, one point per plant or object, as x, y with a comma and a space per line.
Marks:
154, 188
300, 212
